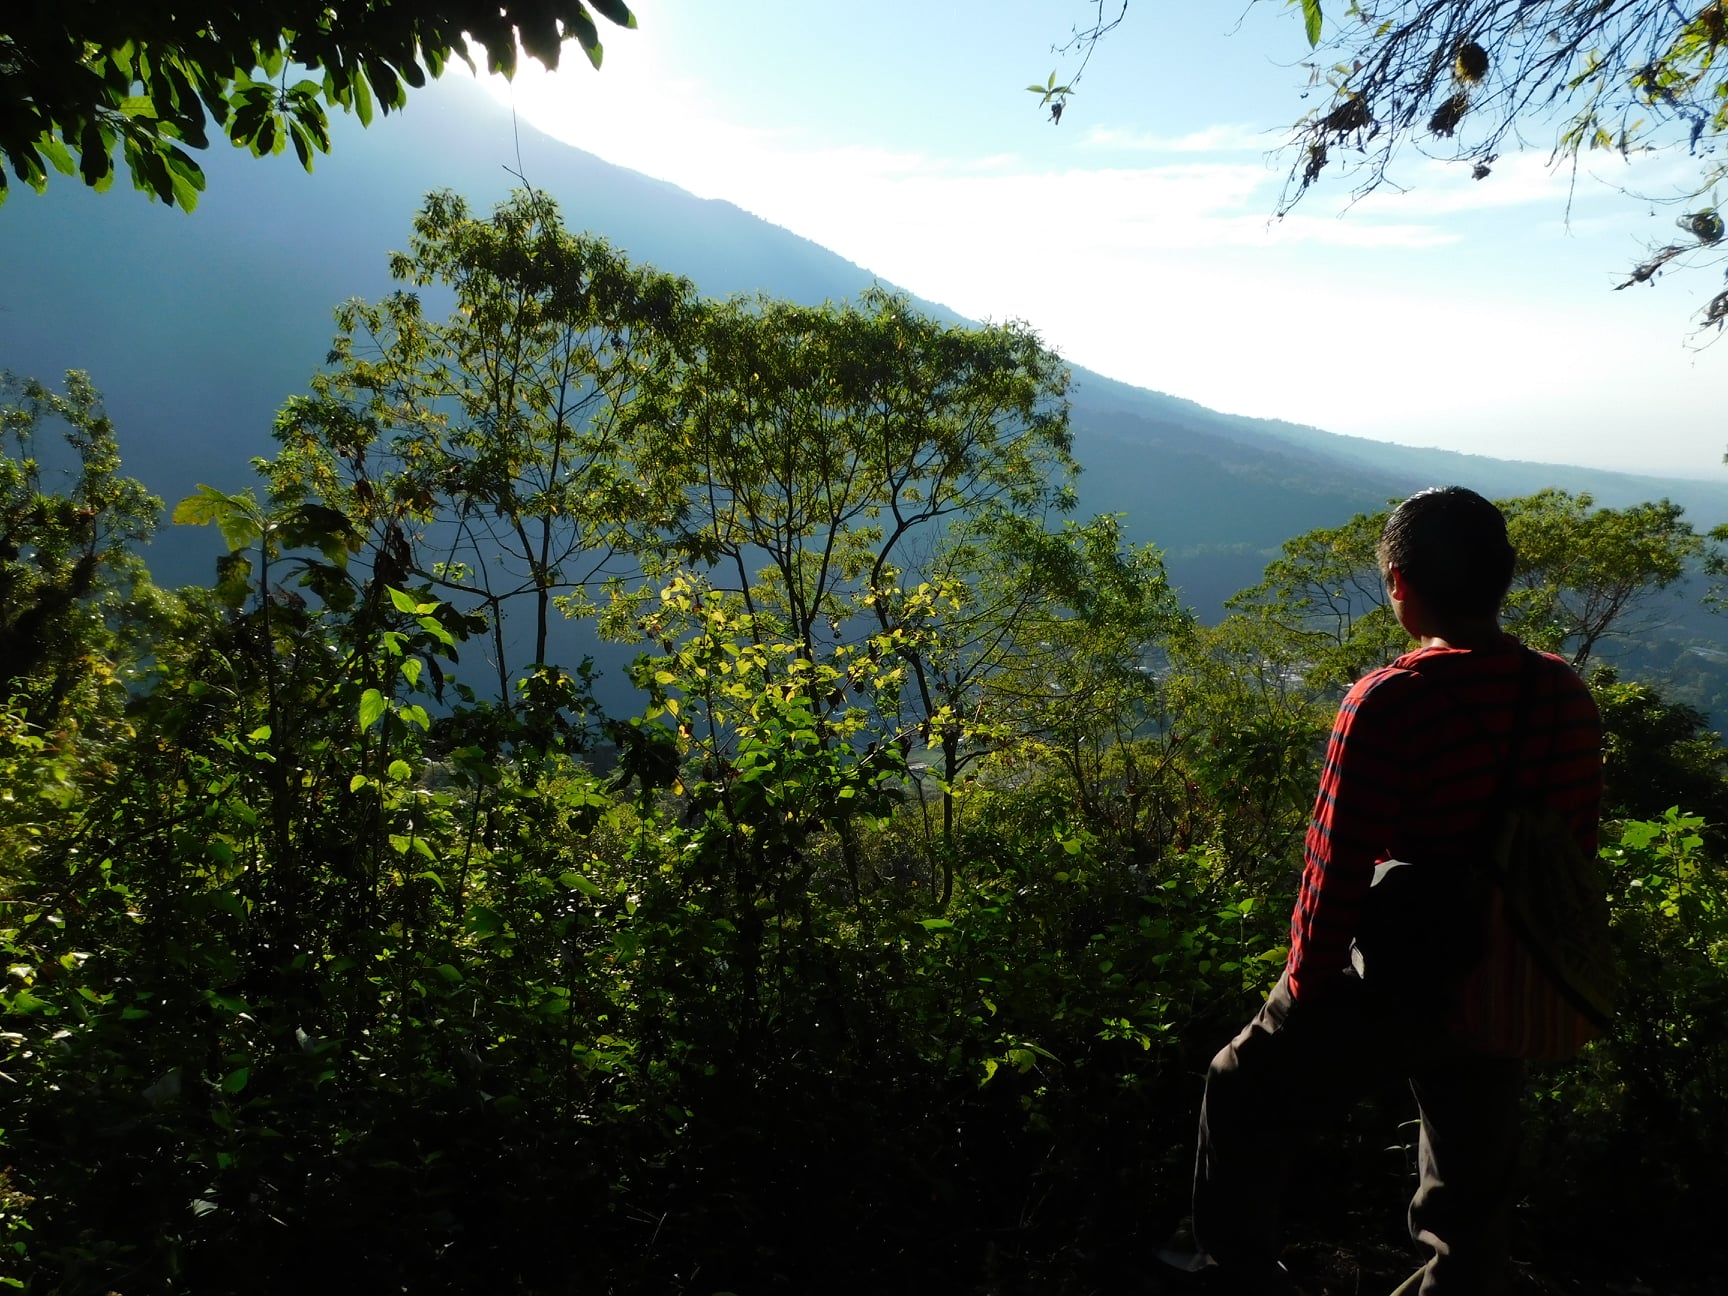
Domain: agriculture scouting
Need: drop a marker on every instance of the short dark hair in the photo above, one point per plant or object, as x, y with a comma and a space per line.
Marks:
1451, 545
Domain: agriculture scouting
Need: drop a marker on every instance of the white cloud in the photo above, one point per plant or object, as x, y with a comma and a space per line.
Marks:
1213, 139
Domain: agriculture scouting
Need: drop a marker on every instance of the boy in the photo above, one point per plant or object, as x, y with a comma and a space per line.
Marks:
1415, 765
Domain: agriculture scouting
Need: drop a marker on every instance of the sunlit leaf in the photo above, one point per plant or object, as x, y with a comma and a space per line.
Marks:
372, 706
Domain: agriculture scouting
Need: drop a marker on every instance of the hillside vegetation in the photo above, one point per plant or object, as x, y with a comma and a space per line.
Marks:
880, 946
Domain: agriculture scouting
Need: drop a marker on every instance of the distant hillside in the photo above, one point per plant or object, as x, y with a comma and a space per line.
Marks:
198, 327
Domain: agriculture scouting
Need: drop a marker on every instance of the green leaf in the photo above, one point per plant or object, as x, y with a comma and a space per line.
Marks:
582, 883
357, 782
400, 771
430, 626
1311, 21
185, 187
362, 95
935, 924
236, 1080
236, 516
409, 605
582, 27
58, 155
484, 922
614, 11
372, 705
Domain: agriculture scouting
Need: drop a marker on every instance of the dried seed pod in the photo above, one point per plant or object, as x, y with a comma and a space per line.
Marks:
1717, 311
1705, 226
1351, 115
1315, 165
1470, 64
1447, 116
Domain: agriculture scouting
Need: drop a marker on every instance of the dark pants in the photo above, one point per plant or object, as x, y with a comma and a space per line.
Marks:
1293, 1071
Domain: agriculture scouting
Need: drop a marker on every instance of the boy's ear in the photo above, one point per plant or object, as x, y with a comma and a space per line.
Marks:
1396, 585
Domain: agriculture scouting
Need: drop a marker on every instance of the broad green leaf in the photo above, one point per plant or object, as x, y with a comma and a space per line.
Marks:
362, 98
372, 705
236, 1080
581, 883
236, 516
1311, 21
409, 605
582, 27
614, 11
484, 922
58, 155
184, 189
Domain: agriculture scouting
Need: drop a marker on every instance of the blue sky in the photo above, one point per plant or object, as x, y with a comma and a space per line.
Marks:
1138, 236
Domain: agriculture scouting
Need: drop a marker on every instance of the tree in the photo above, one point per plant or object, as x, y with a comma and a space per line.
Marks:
1041, 646
1582, 572
80, 80
1245, 731
487, 455
1658, 754
69, 572
821, 450
864, 473
1464, 79
1325, 598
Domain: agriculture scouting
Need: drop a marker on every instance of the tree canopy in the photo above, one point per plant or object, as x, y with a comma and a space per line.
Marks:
84, 79
378, 964
1584, 574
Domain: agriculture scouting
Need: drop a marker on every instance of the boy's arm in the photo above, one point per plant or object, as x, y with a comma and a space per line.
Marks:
1355, 814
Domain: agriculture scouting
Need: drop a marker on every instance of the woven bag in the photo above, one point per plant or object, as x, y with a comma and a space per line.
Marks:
1512, 948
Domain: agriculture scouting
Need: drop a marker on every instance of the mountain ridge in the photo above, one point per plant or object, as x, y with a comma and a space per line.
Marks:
198, 327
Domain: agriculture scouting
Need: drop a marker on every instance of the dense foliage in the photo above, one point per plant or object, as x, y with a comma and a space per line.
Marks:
84, 79
878, 946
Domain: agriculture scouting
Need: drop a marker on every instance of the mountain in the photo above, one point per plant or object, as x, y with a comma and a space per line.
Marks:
197, 327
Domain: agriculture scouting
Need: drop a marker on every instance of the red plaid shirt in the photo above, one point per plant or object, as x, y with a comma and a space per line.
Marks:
1416, 756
